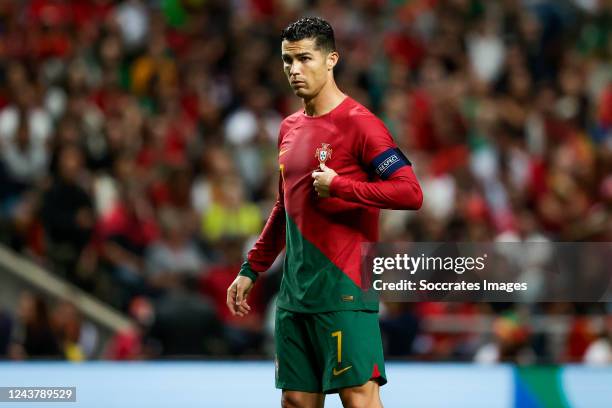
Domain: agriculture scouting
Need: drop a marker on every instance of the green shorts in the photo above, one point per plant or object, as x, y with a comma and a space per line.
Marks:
323, 352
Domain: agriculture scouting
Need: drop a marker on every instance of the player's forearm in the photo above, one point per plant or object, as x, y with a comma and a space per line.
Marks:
269, 244
401, 192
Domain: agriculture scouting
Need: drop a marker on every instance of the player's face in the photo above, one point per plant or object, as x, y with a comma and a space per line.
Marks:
307, 67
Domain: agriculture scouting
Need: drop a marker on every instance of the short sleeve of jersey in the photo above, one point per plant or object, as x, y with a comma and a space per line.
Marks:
378, 150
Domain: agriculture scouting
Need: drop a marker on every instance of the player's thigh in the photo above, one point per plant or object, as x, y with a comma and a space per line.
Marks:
301, 399
297, 365
352, 347
363, 396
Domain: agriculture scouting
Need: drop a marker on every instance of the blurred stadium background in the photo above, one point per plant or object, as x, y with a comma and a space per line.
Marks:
138, 163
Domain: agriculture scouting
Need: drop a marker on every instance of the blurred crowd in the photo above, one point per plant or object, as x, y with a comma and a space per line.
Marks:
138, 153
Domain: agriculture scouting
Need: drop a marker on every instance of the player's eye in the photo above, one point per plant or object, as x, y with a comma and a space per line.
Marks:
304, 59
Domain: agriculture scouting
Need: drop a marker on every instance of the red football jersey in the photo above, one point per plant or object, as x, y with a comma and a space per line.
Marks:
323, 236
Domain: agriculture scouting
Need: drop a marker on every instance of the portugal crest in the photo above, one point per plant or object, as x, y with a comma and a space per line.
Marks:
323, 153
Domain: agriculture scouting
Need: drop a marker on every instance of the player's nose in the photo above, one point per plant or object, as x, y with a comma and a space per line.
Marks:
294, 70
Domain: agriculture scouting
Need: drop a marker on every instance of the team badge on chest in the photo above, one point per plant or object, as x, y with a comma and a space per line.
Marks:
323, 153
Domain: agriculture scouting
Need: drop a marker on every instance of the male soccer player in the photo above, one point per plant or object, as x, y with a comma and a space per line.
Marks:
338, 167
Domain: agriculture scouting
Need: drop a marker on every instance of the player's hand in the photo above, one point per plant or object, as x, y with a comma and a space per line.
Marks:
323, 179
237, 294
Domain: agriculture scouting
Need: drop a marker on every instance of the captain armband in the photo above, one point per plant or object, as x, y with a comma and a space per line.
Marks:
388, 162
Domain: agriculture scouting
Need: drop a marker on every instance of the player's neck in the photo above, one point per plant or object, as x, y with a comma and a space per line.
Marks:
326, 100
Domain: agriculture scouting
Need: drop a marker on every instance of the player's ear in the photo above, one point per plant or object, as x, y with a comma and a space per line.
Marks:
332, 60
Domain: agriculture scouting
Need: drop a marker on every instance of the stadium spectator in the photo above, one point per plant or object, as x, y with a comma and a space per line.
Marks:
175, 255
243, 335
510, 343
78, 337
399, 326
67, 212
186, 324
599, 352
132, 343
35, 337
229, 215
125, 233
25, 159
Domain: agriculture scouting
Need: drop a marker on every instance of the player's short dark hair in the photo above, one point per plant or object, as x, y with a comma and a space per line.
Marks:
311, 27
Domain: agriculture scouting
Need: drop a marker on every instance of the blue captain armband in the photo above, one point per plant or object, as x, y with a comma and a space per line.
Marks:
388, 162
